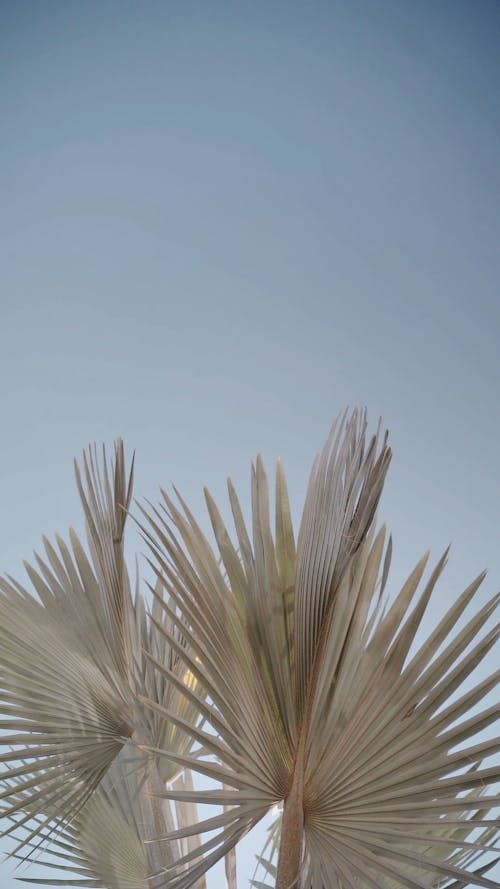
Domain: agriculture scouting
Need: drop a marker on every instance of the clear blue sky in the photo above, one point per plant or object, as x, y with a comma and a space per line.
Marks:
221, 223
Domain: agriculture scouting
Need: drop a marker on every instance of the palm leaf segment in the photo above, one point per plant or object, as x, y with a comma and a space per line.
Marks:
310, 690
71, 666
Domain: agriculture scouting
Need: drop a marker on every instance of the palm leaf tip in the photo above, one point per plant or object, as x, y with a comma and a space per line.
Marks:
344, 489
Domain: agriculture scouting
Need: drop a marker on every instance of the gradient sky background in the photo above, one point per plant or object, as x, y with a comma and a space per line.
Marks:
222, 223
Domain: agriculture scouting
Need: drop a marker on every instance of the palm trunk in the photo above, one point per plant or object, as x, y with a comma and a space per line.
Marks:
291, 832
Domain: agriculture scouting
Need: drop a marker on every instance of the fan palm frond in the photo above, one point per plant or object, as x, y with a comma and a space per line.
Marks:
72, 665
109, 844
103, 846
311, 693
63, 673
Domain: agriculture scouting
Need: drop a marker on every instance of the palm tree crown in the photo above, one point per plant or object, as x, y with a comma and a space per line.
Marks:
279, 669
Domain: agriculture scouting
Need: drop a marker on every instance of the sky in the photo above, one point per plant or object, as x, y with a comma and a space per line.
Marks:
221, 223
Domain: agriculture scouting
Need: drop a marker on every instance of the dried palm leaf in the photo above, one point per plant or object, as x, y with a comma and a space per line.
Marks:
65, 661
309, 690
72, 665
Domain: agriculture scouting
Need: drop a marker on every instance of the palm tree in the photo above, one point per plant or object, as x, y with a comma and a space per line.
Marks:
279, 670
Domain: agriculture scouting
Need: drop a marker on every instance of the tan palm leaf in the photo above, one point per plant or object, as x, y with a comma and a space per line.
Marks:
65, 659
108, 844
72, 664
309, 691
